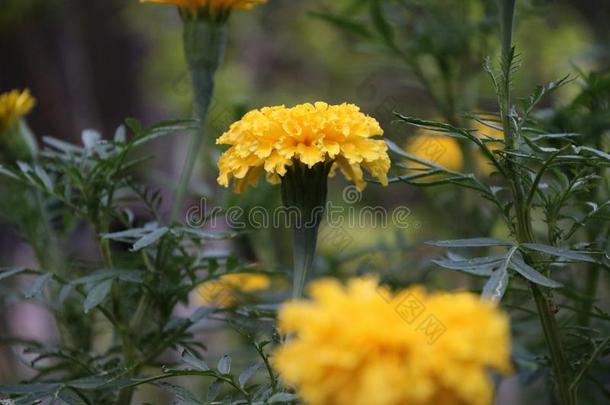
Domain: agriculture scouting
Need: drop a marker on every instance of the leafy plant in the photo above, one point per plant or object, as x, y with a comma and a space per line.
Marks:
146, 269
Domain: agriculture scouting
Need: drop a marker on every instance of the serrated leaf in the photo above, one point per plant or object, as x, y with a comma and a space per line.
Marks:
97, 295
282, 397
194, 361
149, 239
247, 374
38, 285
518, 264
559, 252
473, 242
224, 364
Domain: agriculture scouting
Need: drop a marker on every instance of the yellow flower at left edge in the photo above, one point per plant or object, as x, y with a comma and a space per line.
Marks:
16, 138
14, 105
361, 344
225, 292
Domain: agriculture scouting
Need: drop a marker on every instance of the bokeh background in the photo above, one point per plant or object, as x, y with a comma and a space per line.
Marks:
92, 63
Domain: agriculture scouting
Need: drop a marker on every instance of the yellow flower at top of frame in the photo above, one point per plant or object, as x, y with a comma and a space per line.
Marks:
195, 5
14, 105
269, 140
360, 344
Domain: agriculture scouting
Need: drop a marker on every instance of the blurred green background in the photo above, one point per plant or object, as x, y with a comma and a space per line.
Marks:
93, 63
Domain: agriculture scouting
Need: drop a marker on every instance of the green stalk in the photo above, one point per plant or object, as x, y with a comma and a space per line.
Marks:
544, 306
304, 192
204, 43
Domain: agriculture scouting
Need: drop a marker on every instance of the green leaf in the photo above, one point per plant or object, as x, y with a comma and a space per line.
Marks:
473, 242
247, 374
28, 388
97, 295
127, 234
343, 23
6, 272
8, 173
38, 285
559, 252
200, 313
518, 264
194, 361
214, 390
495, 287
224, 364
133, 124
595, 152
182, 395
149, 239
480, 266
282, 397
381, 24
44, 178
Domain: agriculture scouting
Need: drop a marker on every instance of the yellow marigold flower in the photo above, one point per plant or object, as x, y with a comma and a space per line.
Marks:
14, 105
225, 291
362, 345
273, 138
195, 5
442, 150
495, 141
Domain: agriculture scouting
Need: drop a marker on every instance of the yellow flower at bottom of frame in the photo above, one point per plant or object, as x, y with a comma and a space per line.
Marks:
226, 290
269, 140
360, 344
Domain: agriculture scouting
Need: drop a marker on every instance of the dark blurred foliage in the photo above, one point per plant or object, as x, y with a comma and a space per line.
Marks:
92, 63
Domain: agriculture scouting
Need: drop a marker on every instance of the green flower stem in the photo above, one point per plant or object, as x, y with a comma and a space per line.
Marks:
544, 305
304, 193
204, 43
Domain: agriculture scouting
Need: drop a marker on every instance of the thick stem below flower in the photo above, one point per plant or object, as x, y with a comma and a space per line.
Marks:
304, 192
204, 44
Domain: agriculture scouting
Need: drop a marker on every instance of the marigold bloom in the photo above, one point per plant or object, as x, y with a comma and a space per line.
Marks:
225, 291
14, 105
273, 138
442, 150
195, 5
362, 345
